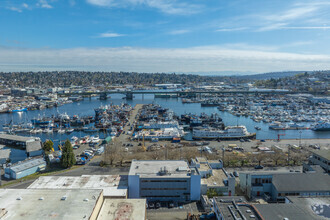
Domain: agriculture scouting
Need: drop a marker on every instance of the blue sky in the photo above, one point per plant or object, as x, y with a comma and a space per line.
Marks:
205, 36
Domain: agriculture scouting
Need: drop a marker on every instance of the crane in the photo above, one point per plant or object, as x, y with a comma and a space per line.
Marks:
278, 137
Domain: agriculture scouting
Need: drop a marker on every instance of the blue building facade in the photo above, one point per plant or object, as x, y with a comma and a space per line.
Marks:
25, 168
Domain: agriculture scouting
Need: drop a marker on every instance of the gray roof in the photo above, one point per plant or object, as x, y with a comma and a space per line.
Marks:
16, 137
322, 153
27, 164
301, 208
299, 182
152, 168
33, 146
39, 204
4, 153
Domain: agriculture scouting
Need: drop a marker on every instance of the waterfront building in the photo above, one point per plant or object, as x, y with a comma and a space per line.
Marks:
25, 168
165, 180
32, 145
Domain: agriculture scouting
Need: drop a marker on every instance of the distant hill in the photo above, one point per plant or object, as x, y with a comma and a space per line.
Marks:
276, 75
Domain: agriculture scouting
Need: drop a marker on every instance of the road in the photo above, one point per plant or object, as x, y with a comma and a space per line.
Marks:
124, 137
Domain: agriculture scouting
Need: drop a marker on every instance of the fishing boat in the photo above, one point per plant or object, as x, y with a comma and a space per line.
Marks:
18, 110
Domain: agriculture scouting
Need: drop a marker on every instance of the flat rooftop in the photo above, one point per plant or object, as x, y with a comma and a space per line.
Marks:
230, 212
123, 209
216, 180
112, 185
16, 137
201, 159
204, 167
4, 153
325, 153
300, 208
22, 204
152, 168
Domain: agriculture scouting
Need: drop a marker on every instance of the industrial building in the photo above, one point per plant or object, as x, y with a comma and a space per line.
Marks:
301, 208
230, 208
167, 180
274, 186
321, 158
214, 176
113, 186
67, 204
32, 145
25, 168
49, 204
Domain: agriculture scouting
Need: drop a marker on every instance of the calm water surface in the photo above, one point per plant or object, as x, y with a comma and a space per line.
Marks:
86, 108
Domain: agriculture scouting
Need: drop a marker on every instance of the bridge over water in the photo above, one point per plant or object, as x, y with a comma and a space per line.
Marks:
130, 94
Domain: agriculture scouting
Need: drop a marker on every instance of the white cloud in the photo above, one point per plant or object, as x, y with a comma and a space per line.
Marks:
15, 9
44, 4
232, 29
178, 32
201, 59
165, 6
293, 14
109, 35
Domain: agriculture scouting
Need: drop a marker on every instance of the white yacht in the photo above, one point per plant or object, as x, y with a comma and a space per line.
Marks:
229, 132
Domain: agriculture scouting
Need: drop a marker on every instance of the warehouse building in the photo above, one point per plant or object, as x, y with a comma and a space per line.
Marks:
89, 204
25, 168
229, 208
274, 186
167, 180
322, 158
25, 204
32, 145
113, 186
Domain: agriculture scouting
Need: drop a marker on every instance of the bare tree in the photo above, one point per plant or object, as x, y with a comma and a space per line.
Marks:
277, 157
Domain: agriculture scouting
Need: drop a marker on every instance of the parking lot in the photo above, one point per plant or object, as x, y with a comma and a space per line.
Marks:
173, 211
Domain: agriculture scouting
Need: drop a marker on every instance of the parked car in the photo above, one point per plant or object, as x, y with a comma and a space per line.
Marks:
151, 205
158, 205
171, 204
258, 167
235, 174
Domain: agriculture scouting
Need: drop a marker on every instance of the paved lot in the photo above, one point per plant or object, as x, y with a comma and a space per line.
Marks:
178, 212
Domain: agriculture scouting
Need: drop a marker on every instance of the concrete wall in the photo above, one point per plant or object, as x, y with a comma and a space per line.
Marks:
133, 186
231, 186
35, 153
195, 187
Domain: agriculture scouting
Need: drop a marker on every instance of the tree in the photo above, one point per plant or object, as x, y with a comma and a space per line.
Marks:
68, 158
277, 156
48, 146
110, 153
